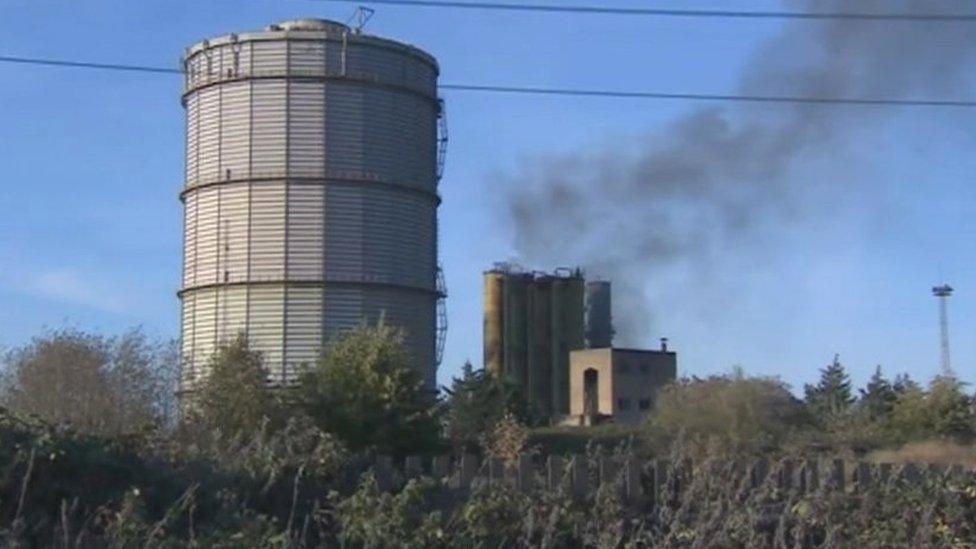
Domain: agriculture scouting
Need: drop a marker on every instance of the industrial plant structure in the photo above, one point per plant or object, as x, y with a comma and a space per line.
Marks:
313, 156
599, 325
552, 335
532, 321
619, 385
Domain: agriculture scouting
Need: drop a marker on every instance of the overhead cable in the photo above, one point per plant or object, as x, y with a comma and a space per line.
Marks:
675, 12
554, 91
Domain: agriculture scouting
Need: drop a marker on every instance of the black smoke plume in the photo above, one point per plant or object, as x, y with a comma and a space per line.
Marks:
725, 179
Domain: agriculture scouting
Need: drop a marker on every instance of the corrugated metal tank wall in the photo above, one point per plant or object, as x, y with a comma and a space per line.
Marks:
310, 195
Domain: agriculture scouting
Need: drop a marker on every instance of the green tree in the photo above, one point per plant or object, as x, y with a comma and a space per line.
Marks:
732, 414
903, 383
478, 400
878, 397
234, 398
97, 385
942, 411
832, 395
367, 392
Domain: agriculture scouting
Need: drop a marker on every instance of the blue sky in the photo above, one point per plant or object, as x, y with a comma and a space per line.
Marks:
90, 219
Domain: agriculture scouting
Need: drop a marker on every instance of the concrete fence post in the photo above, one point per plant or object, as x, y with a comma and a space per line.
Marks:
580, 476
811, 475
956, 471
496, 471
884, 472
384, 472
737, 473
609, 471
440, 467
650, 479
936, 470
555, 471
785, 475
633, 487
467, 469
909, 472
524, 473
759, 472
837, 475
661, 467
863, 476
413, 466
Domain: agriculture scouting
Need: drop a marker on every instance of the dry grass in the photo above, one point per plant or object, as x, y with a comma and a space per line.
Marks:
933, 451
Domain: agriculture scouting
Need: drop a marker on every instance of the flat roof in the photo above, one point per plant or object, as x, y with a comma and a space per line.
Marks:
628, 350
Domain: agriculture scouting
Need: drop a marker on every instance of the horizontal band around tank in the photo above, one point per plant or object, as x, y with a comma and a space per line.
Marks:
363, 79
305, 180
433, 292
310, 36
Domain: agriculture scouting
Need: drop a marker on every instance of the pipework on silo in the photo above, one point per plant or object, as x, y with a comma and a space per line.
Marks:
310, 196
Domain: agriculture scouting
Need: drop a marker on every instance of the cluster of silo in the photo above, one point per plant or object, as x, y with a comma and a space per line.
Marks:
532, 320
310, 193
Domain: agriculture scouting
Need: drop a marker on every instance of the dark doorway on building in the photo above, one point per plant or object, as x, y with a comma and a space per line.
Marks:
591, 392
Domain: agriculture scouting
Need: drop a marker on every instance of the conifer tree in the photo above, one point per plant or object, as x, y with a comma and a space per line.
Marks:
478, 400
878, 396
904, 384
832, 395
235, 398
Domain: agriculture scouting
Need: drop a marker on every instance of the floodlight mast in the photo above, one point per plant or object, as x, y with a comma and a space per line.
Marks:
943, 293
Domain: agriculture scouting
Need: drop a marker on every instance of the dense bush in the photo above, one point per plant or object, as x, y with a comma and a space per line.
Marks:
475, 402
259, 467
726, 415
367, 391
67, 490
562, 440
233, 398
98, 385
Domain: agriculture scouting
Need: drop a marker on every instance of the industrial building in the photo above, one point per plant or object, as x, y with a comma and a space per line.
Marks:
532, 320
552, 334
617, 384
313, 156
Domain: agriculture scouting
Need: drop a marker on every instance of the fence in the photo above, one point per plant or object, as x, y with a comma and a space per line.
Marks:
647, 481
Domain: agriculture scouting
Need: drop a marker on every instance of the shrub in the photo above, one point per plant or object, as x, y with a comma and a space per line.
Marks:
234, 397
932, 451
366, 390
372, 518
98, 385
944, 410
475, 402
575, 440
726, 415
506, 439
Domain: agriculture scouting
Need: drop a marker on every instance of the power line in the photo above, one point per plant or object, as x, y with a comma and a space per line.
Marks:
712, 97
574, 92
85, 65
668, 12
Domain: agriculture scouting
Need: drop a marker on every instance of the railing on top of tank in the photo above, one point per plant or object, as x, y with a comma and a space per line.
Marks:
193, 81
